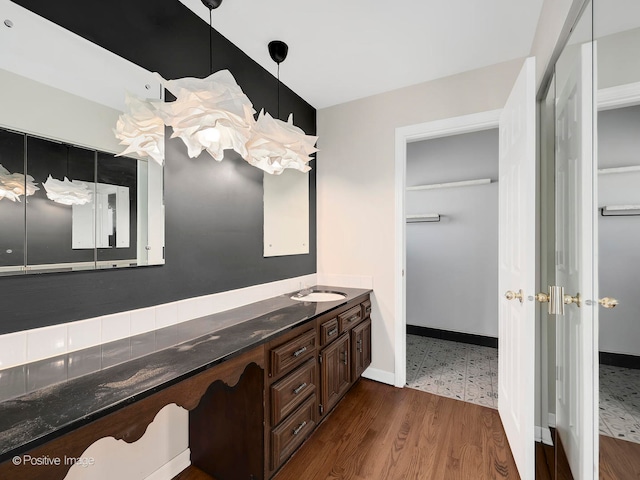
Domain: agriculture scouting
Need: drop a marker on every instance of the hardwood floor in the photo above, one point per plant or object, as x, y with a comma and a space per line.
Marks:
383, 433
619, 459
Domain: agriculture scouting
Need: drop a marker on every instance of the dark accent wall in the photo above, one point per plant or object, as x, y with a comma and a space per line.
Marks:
213, 211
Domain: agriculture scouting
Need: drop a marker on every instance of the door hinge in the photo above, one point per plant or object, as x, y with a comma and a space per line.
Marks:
319, 358
321, 409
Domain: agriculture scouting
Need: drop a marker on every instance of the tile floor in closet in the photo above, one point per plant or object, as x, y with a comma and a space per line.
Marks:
620, 403
470, 373
451, 369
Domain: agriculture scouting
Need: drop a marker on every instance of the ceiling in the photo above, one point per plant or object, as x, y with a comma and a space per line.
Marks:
341, 50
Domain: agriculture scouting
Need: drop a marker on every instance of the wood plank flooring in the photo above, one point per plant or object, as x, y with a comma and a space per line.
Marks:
385, 433
619, 459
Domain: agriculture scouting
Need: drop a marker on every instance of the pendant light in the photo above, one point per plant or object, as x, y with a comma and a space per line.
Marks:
211, 113
14, 185
141, 129
67, 192
276, 145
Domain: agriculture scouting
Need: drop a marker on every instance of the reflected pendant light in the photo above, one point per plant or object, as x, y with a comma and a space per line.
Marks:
211, 113
276, 145
141, 129
67, 192
14, 185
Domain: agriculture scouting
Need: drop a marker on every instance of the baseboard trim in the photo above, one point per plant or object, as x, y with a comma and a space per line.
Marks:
453, 336
173, 467
543, 435
552, 420
381, 376
620, 360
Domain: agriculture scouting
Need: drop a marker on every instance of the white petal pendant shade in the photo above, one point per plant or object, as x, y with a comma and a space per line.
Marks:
13, 185
141, 129
277, 145
211, 114
67, 192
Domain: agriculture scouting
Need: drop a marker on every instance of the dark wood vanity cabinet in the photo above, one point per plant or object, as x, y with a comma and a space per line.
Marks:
310, 369
335, 376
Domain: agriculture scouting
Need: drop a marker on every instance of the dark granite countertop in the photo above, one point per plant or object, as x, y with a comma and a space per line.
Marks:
42, 400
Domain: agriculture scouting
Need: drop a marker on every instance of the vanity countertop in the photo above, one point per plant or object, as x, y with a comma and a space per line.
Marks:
65, 392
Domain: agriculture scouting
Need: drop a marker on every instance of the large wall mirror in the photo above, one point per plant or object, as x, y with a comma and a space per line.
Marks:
61, 98
594, 352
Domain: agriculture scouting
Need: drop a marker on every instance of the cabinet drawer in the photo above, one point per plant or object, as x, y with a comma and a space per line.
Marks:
289, 392
350, 318
288, 436
366, 308
328, 331
293, 353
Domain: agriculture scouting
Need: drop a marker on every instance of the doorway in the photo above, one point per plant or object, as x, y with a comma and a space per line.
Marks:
452, 239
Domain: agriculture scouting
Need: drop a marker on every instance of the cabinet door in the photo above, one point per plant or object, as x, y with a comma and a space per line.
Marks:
335, 372
360, 348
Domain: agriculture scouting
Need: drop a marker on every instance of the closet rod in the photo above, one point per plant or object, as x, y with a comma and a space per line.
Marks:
620, 210
632, 168
423, 218
463, 183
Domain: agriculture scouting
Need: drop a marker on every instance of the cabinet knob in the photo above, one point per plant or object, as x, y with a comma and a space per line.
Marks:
332, 332
608, 302
510, 295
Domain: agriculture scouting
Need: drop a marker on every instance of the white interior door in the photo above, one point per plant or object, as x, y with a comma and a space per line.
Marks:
576, 373
517, 214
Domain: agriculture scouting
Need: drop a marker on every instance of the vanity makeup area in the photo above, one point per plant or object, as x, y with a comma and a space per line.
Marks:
257, 377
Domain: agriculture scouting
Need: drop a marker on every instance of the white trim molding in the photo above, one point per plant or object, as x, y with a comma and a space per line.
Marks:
619, 96
474, 122
378, 375
173, 467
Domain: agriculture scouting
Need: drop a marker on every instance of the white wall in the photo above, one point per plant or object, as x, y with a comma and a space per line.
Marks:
459, 254
619, 237
355, 193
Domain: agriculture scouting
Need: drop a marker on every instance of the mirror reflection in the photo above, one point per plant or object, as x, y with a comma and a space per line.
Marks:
617, 73
67, 202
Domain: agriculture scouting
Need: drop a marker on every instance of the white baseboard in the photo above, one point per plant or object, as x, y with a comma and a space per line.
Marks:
173, 467
381, 376
543, 434
552, 420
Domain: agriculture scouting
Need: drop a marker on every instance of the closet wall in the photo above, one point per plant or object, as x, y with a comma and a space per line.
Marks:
452, 265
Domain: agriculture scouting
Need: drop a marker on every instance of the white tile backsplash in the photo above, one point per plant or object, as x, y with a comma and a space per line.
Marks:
84, 334
143, 320
167, 314
13, 349
116, 326
46, 342
30, 345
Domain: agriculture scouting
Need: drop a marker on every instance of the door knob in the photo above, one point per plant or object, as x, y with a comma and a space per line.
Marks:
568, 300
509, 295
541, 297
608, 302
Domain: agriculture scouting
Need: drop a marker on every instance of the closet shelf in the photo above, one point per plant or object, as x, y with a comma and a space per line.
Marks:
606, 171
423, 218
620, 210
463, 183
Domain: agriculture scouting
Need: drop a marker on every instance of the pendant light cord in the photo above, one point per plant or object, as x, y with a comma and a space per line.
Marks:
210, 41
278, 91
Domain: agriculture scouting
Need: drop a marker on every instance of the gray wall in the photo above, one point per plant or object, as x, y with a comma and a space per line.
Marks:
452, 266
619, 237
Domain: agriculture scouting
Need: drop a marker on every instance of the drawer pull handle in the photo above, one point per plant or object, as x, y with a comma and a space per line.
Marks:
299, 428
300, 388
353, 317
332, 332
299, 352
368, 311
360, 345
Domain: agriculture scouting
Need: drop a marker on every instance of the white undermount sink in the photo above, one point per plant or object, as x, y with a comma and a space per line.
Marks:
319, 296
